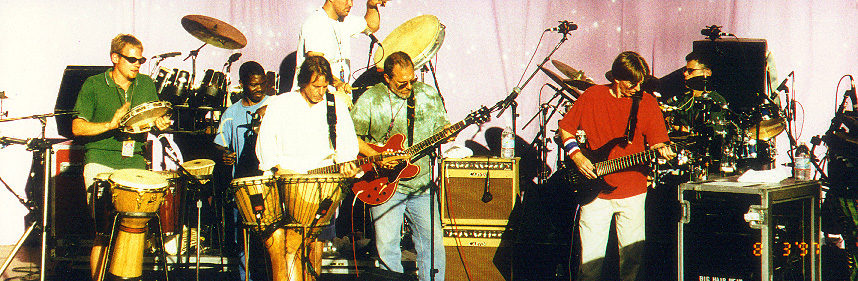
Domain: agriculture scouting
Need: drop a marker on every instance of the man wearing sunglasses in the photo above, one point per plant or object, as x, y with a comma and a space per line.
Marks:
402, 105
624, 120
101, 103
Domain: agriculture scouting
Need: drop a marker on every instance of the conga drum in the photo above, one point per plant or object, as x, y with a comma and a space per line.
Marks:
309, 195
136, 195
258, 199
170, 210
200, 168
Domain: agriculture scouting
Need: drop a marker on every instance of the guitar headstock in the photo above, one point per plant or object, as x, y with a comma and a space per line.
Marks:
480, 116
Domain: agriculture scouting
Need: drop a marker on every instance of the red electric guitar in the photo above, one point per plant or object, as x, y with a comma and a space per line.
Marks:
377, 185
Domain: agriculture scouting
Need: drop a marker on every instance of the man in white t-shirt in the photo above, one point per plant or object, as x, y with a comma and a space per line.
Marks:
327, 31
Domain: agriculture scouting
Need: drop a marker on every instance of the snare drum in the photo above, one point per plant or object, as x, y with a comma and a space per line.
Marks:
142, 117
137, 194
200, 168
420, 38
258, 199
304, 195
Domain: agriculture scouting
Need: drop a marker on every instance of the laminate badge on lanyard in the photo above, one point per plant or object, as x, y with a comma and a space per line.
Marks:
128, 148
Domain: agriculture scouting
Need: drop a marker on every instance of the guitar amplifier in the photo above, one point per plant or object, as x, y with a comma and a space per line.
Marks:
477, 253
467, 185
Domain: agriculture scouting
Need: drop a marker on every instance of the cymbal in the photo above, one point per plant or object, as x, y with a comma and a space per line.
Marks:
214, 32
846, 137
570, 72
569, 92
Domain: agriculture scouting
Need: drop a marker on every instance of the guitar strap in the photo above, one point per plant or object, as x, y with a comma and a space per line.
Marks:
633, 116
410, 113
332, 119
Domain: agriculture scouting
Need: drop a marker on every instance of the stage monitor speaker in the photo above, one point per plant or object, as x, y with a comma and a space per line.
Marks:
478, 190
739, 70
477, 253
73, 78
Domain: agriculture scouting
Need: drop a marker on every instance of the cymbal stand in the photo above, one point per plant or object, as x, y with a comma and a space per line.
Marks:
510, 99
27, 204
541, 140
193, 56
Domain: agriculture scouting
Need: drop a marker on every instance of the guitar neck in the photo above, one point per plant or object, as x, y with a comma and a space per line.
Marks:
335, 168
437, 137
617, 164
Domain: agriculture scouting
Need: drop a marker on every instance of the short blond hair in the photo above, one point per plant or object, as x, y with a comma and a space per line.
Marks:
121, 40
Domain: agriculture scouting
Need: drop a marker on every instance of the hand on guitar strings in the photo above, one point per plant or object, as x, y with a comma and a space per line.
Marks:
349, 170
584, 165
665, 151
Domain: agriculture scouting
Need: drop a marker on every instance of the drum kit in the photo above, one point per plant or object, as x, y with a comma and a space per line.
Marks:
727, 142
198, 107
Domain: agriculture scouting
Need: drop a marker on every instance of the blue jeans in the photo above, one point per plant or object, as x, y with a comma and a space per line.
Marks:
387, 219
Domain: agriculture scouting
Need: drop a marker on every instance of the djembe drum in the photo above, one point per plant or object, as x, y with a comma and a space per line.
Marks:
136, 195
258, 199
200, 168
310, 198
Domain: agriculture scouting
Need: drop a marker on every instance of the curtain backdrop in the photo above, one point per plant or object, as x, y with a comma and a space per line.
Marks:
490, 47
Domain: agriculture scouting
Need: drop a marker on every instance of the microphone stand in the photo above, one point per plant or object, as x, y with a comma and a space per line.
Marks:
541, 135
195, 181
510, 99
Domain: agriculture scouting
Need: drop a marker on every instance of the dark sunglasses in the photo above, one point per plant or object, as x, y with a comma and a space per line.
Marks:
132, 59
401, 85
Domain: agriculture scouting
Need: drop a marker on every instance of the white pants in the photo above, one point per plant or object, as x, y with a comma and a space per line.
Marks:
594, 225
90, 171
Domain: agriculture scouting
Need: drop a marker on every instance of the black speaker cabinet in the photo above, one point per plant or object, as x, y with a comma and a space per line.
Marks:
739, 70
477, 253
748, 231
73, 78
467, 185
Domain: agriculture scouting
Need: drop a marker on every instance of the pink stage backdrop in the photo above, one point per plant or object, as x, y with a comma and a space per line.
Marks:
486, 52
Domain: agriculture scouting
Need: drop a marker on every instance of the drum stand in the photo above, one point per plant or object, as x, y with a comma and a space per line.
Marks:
113, 235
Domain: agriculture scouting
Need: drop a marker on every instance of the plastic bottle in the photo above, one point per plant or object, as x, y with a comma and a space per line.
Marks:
802, 163
507, 143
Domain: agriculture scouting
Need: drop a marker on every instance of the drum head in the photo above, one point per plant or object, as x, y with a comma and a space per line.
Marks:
141, 118
198, 164
236, 183
420, 38
140, 180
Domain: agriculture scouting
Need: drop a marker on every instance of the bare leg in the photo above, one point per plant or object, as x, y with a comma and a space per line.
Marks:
293, 255
276, 245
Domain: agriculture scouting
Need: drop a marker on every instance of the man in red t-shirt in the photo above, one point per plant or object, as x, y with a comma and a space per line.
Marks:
602, 112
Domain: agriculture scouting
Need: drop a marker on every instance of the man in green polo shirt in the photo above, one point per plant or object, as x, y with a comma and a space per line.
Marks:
102, 102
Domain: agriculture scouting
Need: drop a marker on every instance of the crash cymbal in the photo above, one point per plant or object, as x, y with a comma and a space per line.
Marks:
214, 32
568, 92
570, 72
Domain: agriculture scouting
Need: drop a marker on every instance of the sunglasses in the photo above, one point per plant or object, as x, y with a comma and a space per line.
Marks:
691, 70
401, 85
133, 60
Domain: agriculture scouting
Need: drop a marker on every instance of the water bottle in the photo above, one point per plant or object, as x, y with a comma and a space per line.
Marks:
507, 143
802, 163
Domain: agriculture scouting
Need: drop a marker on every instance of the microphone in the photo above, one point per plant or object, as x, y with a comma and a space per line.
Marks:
783, 86
564, 27
233, 58
168, 55
372, 37
359, 88
487, 195
323, 208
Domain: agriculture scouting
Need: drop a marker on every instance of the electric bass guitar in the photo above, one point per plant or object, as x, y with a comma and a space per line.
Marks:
586, 190
377, 185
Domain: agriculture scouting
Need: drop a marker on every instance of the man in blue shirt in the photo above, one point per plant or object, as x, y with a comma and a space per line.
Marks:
236, 137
